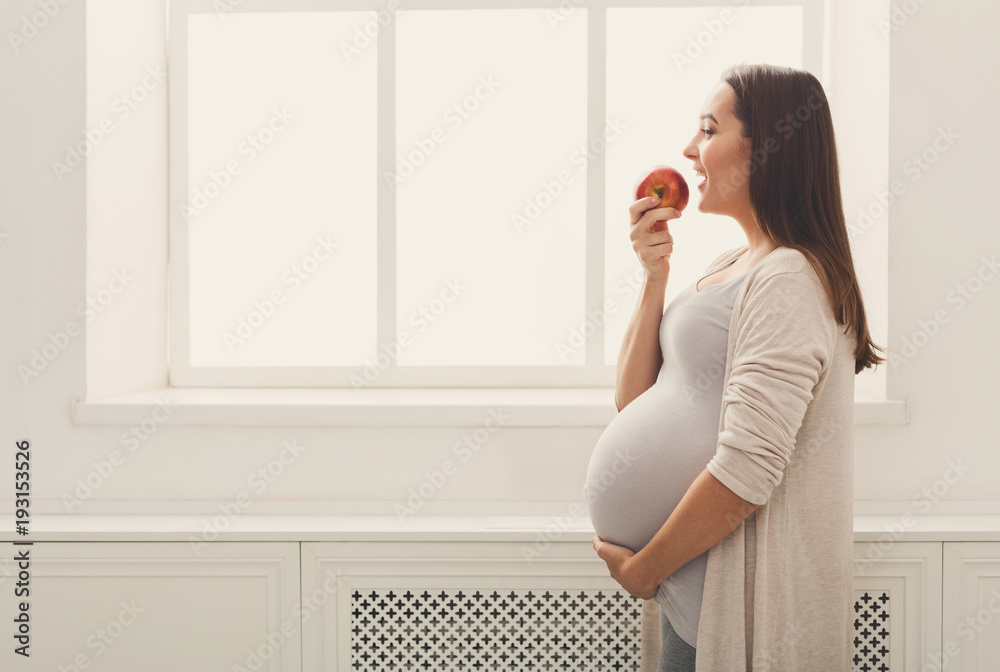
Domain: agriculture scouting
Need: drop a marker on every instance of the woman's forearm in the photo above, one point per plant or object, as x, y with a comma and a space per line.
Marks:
640, 359
706, 515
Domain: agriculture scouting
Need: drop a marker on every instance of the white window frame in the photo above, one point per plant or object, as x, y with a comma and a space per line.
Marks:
128, 379
593, 373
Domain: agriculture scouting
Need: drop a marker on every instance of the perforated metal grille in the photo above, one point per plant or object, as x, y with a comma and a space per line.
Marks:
535, 630
499, 630
871, 631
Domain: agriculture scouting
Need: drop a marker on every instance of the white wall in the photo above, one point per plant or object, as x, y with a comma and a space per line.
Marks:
859, 101
943, 74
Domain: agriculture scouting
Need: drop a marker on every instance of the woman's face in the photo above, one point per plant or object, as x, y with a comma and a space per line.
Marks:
721, 153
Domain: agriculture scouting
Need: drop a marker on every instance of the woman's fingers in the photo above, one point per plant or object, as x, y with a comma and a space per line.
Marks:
643, 234
657, 215
640, 206
653, 247
644, 206
657, 240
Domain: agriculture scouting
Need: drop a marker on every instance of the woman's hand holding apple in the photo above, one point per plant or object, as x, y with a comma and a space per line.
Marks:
651, 237
664, 187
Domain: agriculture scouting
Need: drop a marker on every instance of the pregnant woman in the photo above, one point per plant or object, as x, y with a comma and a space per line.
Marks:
723, 489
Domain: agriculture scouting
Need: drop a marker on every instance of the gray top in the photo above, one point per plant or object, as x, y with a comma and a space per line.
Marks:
779, 588
652, 451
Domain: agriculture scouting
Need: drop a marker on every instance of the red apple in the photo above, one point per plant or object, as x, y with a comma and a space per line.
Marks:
668, 185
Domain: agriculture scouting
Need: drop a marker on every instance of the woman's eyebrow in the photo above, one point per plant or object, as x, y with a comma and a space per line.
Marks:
708, 116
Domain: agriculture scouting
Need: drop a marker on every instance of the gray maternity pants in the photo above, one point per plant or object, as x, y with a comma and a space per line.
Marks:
676, 655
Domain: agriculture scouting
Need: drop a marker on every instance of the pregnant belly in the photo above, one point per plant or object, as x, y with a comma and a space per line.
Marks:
645, 461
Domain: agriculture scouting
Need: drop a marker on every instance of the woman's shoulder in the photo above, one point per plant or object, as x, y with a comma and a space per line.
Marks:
783, 260
783, 278
780, 260
784, 275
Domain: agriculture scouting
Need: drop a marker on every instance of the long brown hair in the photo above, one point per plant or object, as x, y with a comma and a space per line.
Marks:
794, 183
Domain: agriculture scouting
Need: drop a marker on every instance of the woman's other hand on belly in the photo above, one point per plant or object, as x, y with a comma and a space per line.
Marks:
624, 569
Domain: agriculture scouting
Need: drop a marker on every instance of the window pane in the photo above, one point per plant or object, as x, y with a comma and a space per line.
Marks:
281, 176
491, 109
662, 63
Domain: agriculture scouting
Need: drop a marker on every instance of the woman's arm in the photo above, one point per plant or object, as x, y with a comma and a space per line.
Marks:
706, 515
640, 359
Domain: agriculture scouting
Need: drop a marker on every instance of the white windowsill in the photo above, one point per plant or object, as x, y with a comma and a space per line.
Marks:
313, 407
305, 528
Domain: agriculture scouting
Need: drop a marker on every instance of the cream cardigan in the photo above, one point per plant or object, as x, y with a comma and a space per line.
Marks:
779, 588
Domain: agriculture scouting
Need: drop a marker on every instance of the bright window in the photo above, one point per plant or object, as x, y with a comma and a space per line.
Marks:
434, 197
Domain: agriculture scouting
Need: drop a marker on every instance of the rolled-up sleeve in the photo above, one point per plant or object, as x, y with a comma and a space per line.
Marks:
783, 344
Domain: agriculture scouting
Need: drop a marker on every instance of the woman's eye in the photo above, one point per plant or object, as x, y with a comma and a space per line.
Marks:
708, 131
